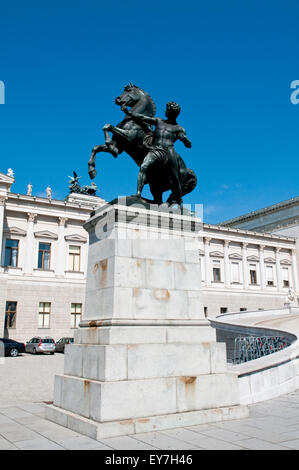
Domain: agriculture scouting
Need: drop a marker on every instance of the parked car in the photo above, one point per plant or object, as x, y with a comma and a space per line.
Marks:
11, 348
60, 345
40, 345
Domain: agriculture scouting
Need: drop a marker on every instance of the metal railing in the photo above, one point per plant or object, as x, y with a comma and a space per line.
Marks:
248, 348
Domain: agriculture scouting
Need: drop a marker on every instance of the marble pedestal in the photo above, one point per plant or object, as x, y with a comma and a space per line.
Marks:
145, 357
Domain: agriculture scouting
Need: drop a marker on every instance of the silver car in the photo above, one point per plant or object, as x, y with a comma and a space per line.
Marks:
40, 345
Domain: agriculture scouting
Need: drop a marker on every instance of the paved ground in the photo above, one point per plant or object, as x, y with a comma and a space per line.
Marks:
272, 425
28, 378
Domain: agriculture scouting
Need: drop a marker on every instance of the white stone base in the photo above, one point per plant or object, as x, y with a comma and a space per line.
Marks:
100, 431
145, 357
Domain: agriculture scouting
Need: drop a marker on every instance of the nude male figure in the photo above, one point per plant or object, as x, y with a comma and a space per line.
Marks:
161, 152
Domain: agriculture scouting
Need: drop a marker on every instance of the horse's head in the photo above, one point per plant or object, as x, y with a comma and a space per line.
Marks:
130, 96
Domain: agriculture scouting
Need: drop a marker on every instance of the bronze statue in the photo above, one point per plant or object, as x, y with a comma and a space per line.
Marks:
75, 187
161, 151
153, 151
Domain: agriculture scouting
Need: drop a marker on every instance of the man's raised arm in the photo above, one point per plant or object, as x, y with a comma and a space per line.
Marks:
139, 117
182, 136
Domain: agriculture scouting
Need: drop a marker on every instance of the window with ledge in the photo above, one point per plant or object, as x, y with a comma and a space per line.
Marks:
252, 274
235, 272
10, 315
216, 271
74, 258
11, 253
44, 315
76, 312
44, 254
285, 277
243, 309
269, 276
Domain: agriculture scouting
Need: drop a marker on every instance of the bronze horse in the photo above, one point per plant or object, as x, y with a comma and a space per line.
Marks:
135, 138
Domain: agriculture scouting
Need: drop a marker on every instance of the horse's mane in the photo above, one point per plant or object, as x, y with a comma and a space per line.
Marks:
147, 94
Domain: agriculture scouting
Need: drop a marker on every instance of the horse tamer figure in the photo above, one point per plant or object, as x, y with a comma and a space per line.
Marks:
153, 151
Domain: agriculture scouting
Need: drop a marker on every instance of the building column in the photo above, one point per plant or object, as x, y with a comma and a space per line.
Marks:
245, 267
262, 267
28, 266
294, 271
278, 269
207, 261
2, 209
226, 264
60, 264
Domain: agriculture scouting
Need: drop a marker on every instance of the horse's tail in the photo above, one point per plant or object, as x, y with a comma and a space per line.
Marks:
190, 182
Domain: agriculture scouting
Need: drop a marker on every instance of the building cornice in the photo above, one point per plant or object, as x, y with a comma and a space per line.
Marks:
6, 179
231, 231
54, 202
257, 213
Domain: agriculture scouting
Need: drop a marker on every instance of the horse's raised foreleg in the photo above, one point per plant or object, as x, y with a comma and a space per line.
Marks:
99, 148
129, 135
108, 142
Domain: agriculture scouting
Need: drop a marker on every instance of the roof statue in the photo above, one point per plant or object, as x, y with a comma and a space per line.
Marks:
75, 187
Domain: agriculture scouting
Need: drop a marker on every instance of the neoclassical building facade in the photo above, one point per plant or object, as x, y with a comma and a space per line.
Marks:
245, 270
43, 249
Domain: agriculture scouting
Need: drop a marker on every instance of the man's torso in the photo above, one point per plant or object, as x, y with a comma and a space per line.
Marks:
166, 134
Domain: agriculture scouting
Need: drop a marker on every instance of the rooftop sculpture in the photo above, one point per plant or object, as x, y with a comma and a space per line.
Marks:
75, 187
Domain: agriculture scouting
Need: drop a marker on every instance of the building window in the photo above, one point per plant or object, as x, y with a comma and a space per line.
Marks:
235, 272
285, 277
44, 252
76, 311
11, 253
205, 310
74, 258
252, 274
269, 276
44, 315
223, 309
216, 271
10, 315
243, 309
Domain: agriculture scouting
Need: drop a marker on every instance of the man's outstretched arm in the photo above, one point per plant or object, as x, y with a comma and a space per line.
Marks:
139, 117
182, 136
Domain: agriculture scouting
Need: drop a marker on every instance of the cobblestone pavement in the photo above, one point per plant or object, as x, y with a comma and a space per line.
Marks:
29, 378
272, 425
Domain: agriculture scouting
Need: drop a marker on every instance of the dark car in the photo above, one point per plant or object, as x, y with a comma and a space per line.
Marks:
11, 348
60, 345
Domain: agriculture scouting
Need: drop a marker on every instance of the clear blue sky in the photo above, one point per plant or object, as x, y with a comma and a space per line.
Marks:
228, 63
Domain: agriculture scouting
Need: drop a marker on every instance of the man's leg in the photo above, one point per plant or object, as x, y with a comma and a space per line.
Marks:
174, 173
146, 164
